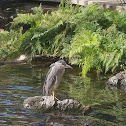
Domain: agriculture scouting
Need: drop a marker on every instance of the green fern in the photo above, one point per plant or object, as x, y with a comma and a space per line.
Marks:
89, 36
10, 44
28, 18
84, 44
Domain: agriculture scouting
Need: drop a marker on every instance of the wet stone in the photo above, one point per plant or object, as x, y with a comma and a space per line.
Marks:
68, 104
45, 103
118, 79
39, 102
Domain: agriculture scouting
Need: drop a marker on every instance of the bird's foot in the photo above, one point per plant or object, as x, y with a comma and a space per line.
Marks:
56, 98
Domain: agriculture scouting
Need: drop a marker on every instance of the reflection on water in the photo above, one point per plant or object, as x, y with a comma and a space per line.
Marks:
18, 82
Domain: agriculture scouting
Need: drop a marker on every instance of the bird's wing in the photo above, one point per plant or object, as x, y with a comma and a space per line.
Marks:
50, 79
51, 66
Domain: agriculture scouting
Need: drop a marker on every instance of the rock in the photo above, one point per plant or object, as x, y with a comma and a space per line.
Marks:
118, 79
120, 8
22, 58
39, 102
46, 103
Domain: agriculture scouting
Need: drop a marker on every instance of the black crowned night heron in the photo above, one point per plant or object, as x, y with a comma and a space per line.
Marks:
54, 76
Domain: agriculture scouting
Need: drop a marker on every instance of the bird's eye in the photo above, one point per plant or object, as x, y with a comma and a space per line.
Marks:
64, 63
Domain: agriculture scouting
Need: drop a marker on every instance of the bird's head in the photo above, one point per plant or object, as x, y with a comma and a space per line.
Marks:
64, 64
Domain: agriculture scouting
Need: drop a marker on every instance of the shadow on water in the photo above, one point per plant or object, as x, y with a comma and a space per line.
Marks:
18, 82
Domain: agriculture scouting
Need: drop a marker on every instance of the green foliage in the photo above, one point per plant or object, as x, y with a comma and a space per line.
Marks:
82, 50
9, 44
98, 43
91, 37
112, 48
48, 34
28, 18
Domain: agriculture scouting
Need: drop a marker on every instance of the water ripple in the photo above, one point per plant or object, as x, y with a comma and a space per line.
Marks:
19, 87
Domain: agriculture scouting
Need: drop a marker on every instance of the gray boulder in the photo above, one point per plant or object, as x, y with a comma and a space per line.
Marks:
118, 79
47, 103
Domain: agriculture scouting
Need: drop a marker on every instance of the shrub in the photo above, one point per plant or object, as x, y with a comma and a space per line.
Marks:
9, 44
91, 37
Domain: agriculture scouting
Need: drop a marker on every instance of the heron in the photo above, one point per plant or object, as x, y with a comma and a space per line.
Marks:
54, 77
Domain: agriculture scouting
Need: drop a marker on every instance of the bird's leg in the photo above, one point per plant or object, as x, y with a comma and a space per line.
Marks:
53, 94
56, 98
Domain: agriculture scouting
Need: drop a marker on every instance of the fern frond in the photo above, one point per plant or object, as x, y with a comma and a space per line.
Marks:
49, 30
86, 65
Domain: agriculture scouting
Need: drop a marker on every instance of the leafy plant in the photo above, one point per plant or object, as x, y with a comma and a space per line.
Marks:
9, 44
91, 37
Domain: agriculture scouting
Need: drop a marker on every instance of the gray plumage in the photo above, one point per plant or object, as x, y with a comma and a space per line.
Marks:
54, 76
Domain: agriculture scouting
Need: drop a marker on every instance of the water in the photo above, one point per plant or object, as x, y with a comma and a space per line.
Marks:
18, 82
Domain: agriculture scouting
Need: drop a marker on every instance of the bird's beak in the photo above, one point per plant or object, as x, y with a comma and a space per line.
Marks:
68, 66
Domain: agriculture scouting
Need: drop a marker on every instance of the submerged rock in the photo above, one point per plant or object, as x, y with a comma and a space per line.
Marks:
118, 79
45, 103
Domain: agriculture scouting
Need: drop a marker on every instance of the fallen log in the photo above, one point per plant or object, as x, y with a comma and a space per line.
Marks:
47, 103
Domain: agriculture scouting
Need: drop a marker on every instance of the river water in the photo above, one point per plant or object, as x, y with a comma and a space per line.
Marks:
18, 82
